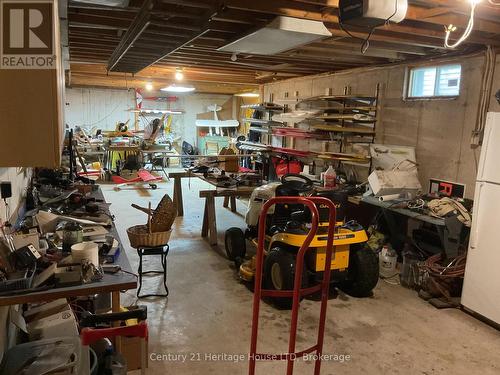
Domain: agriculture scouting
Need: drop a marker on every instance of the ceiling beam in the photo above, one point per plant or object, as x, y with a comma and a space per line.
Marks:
353, 50
139, 24
278, 58
189, 3
167, 74
79, 80
383, 46
317, 11
443, 15
207, 15
418, 13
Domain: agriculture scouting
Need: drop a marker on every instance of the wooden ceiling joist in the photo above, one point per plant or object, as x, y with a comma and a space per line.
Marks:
139, 24
161, 35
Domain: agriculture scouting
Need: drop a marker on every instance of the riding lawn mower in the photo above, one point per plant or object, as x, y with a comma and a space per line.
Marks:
354, 267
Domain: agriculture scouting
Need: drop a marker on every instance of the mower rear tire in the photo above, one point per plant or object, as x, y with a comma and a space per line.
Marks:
279, 274
363, 272
235, 244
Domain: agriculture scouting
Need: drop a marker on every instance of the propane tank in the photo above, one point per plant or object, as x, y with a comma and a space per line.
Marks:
387, 261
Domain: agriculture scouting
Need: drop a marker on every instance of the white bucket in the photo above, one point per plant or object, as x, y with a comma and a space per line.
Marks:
85, 250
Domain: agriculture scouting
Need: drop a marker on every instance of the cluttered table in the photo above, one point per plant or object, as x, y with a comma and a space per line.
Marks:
209, 226
448, 228
112, 283
237, 191
400, 207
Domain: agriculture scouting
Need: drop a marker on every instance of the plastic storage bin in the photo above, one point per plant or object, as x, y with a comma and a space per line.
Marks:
18, 281
61, 355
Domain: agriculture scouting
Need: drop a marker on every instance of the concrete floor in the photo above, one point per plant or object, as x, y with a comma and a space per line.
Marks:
209, 312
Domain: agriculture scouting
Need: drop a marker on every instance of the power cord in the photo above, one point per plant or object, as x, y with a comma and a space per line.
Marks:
468, 30
7, 212
416, 204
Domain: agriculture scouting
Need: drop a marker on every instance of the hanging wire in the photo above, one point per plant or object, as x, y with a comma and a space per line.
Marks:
468, 30
366, 41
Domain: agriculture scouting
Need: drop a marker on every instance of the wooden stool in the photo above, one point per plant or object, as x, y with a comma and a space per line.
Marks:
158, 250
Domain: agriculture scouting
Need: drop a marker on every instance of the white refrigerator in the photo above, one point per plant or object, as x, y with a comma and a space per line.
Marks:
481, 289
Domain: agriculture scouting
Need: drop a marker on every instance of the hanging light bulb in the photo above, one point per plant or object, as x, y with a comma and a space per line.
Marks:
149, 86
179, 75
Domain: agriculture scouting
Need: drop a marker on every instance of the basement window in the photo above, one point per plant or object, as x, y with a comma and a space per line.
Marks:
442, 81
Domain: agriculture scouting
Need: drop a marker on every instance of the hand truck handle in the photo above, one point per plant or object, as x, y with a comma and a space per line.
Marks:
140, 313
91, 335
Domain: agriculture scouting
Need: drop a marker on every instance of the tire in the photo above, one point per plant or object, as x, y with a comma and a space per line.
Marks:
235, 244
154, 186
279, 274
363, 272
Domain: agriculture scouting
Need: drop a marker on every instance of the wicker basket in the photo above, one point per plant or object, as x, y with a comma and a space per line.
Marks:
163, 216
140, 236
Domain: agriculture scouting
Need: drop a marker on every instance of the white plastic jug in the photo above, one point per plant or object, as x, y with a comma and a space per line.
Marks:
387, 261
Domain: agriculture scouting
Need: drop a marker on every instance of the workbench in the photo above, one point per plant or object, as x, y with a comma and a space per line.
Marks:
448, 229
209, 226
148, 154
394, 206
111, 283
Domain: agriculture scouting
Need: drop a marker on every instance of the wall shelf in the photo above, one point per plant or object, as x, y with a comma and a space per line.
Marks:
264, 107
342, 119
262, 121
340, 129
342, 157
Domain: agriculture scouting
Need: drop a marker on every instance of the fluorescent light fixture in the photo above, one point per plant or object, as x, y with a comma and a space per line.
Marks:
175, 88
248, 95
282, 34
167, 111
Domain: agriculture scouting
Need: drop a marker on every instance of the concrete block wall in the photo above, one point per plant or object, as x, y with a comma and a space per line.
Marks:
440, 129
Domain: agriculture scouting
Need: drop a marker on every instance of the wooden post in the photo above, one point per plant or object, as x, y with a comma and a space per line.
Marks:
212, 224
233, 203
204, 227
178, 195
115, 307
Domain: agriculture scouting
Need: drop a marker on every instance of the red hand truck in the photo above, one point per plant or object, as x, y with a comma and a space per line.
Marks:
297, 291
90, 335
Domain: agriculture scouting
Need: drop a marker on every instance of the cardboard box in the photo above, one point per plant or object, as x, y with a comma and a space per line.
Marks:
62, 323
394, 182
46, 309
131, 351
